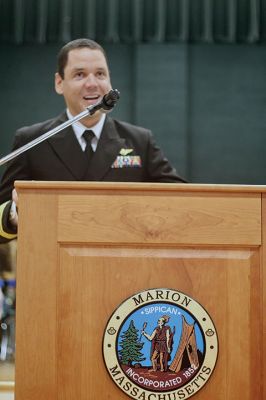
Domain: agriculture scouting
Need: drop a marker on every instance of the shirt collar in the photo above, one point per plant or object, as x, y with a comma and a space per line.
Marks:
79, 128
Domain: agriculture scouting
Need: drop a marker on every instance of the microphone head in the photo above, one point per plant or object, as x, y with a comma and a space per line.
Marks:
109, 100
106, 104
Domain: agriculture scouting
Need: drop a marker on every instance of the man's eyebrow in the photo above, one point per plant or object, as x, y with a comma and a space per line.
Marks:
78, 69
101, 69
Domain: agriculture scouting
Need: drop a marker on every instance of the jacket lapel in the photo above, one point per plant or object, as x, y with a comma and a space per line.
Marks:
108, 148
67, 148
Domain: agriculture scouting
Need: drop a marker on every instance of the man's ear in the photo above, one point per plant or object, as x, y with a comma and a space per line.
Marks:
58, 83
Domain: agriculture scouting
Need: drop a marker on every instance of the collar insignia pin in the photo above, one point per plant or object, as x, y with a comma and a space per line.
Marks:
125, 152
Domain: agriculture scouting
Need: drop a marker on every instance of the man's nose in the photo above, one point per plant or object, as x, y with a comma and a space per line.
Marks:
91, 80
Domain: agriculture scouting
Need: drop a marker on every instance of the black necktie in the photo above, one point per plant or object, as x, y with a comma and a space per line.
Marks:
88, 136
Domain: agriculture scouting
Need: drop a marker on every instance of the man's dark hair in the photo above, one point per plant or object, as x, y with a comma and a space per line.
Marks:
62, 56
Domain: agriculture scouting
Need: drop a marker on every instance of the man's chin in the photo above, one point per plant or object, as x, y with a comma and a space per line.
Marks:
86, 107
96, 114
92, 119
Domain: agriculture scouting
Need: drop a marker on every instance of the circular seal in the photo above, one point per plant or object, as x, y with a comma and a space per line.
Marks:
160, 342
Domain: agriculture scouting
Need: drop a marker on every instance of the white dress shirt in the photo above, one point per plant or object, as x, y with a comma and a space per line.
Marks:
79, 129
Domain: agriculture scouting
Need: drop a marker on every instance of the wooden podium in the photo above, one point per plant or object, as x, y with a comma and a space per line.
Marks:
83, 248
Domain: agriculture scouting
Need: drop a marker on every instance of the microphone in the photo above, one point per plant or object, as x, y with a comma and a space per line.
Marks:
107, 103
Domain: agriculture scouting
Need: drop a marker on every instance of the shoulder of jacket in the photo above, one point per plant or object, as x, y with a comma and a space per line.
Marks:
131, 127
40, 127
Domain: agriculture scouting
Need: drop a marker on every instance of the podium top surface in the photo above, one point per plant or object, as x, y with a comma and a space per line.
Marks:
173, 187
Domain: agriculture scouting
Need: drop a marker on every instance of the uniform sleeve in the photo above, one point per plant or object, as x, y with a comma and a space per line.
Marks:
16, 169
7, 231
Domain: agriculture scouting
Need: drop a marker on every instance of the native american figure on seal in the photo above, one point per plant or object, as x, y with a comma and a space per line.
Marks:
161, 344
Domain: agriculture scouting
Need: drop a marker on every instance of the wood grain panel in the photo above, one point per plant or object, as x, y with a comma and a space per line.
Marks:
36, 299
89, 295
162, 219
83, 249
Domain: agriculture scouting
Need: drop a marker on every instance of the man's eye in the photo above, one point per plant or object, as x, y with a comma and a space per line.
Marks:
79, 75
100, 74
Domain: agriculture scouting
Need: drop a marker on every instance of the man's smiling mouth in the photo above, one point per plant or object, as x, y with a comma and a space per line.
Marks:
92, 98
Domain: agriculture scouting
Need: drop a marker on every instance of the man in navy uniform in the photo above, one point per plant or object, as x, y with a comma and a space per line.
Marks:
96, 148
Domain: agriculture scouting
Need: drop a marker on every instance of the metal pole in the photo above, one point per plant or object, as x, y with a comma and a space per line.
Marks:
106, 103
43, 137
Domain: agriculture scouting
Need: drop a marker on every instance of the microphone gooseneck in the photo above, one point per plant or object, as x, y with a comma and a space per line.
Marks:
110, 99
107, 103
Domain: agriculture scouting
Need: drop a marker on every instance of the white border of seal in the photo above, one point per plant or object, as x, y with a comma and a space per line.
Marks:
173, 297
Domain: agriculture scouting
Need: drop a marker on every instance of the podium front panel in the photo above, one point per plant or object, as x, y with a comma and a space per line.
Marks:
86, 250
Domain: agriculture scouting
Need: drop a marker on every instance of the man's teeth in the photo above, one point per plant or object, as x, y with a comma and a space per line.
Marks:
91, 97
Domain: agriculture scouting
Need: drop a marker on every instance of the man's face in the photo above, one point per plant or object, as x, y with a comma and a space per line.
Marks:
86, 81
